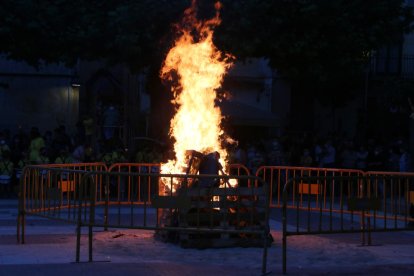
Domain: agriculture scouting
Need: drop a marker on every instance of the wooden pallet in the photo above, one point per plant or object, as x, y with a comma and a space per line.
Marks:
215, 209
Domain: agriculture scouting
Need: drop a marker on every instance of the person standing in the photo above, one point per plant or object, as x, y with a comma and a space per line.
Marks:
405, 160
43, 157
348, 156
306, 159
361, 158
36, 144
328, 155
376, 159
64, 157
89, 128
3, 145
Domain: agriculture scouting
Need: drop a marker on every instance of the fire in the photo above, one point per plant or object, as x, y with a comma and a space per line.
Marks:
200, 68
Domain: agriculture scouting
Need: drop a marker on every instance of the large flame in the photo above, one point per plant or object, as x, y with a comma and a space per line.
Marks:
200, 67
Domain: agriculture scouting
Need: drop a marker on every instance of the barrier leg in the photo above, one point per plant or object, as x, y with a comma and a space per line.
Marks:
21, 218
79, 224
23, 224
78, 236
106, 204
90, 243
264, 258
362, 220
18, 228
369, 231
284, 245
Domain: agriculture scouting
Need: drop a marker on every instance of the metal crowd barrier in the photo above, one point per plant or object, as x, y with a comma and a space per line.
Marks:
364, 203
238, 169
88, 201
313, 200
51, 192
60, 182
395, 191
277, 176
144, 187
196, 199
132, 186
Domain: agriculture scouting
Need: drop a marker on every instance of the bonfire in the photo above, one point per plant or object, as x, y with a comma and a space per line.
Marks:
196, 125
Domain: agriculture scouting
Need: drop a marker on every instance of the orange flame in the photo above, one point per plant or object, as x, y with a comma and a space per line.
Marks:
200, 67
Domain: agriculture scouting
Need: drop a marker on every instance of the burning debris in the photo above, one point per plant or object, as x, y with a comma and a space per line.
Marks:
199, 163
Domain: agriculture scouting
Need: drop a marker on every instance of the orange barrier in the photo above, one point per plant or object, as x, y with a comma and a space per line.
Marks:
141, 189
53, 191
238, 169
60, 181
96, 166
67, 182
323, 188
133, 187
351, 202
169, 214
396, 192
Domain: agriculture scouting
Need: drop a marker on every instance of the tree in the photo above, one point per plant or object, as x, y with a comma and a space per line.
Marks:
121, 32
318, 45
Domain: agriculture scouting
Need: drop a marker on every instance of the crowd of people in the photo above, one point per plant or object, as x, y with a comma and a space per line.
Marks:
32, 148
85, 145
328, 152
22, 148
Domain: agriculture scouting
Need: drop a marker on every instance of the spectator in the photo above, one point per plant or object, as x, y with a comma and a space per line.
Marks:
405, 160
64, 157
61, 141
118, 155
328, 155
48, 137
317, 151
348, 156
36, 144
89, 128
275, 156
107, 156
78, 154
254, 158
376, 159
20, 141
393, 160
306, 159
43, 157
238, 155
89, 153
361, 158
3, 145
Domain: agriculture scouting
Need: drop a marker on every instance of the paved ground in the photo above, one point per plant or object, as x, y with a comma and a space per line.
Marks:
50, 250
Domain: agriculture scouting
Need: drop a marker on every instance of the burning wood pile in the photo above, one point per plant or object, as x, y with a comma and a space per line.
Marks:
207, 201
